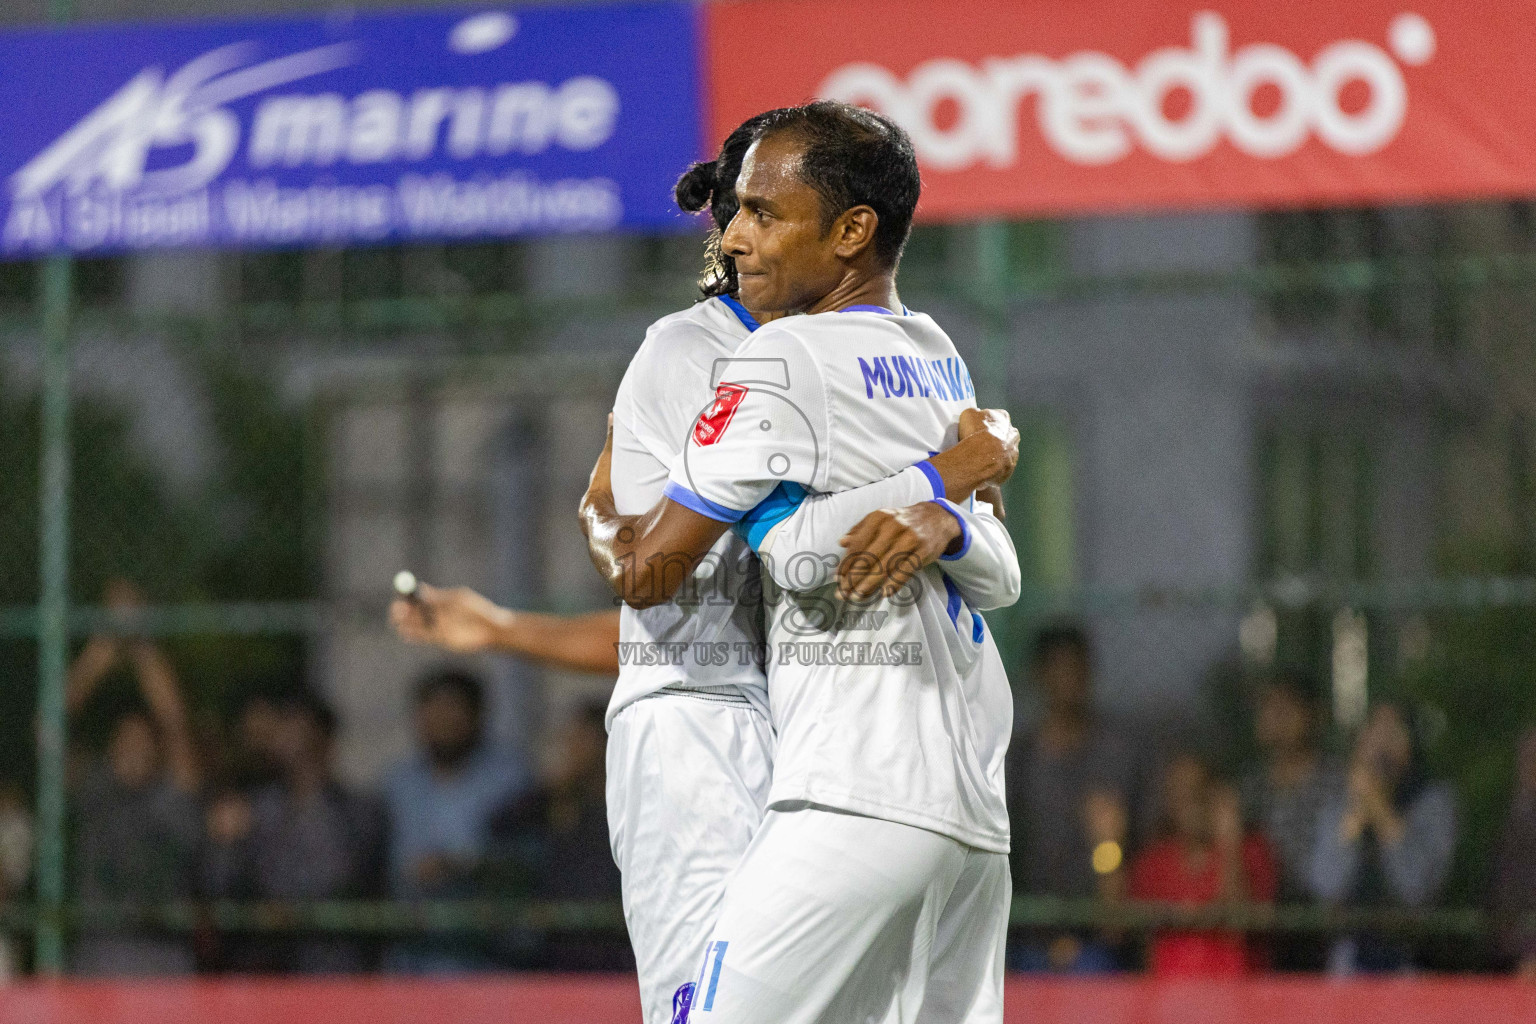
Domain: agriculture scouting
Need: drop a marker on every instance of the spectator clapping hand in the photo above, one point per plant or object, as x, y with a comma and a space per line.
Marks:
1382, 754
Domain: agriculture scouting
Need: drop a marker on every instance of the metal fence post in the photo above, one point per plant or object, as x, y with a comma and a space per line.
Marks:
53, 618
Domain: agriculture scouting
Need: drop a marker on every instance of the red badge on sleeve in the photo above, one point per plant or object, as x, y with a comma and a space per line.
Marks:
711, 425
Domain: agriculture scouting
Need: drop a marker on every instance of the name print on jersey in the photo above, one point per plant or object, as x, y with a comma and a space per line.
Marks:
908, 377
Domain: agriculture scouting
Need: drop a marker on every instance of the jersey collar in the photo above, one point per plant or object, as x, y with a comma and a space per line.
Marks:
747, 319
874, 309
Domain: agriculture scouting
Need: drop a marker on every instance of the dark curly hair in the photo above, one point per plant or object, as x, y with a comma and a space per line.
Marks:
855, 157
712, 184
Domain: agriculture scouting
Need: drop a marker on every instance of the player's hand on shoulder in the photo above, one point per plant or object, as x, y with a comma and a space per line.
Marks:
888, 547
1000, 436
456, 619
983, 458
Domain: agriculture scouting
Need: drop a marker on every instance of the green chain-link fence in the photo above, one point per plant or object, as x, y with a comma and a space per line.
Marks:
201, 465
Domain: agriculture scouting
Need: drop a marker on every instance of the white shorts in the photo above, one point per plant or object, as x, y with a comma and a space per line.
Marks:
688, 779
842, 919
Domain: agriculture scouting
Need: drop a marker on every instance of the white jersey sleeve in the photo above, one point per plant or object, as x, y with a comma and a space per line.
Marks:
796, 533
986, 568
766, 426
797, 536
661, 394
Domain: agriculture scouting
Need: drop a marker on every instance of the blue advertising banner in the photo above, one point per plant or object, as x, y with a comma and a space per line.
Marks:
347, 129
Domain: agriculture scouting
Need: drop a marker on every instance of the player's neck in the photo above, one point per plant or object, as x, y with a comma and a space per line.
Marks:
860, 289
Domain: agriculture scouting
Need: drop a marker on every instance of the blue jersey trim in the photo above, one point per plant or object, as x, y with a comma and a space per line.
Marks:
965, 531
953, 605
768, 513
934, 480
747, 319
875, 309
700, 504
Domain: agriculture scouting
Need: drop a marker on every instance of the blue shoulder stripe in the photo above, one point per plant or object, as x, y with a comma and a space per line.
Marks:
700, 504
768, 513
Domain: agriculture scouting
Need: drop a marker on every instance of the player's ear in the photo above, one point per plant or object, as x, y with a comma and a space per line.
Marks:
855, 231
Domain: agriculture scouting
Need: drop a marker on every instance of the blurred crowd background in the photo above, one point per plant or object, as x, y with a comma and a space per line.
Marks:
175, 807
1275, 511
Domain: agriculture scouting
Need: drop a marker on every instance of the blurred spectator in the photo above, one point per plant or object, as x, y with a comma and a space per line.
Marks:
304, 837
1202, 858
254, 762
1386, 839
441, 803
1513, 890
556, 837
15, 862
1071, 779
1282, 797
138, 826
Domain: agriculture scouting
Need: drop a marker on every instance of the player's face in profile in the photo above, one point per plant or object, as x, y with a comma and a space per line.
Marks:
785, 257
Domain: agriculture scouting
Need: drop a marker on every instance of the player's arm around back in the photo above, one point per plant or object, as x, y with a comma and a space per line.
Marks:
888, 547
754, 436
802, 539
644, 558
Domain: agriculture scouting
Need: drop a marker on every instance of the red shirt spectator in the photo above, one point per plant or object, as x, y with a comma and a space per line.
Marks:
1206, 860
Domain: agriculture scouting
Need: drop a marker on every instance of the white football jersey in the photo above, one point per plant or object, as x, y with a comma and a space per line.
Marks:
709, 637
899, 709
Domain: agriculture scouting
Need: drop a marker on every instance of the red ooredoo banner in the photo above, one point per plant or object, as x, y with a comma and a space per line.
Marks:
1037, 108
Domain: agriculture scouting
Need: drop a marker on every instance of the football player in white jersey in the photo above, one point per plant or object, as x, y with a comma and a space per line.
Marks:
877, 887
690, 746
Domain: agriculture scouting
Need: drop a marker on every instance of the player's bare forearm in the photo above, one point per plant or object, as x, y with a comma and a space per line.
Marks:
606, 531
968, 465
645, 558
